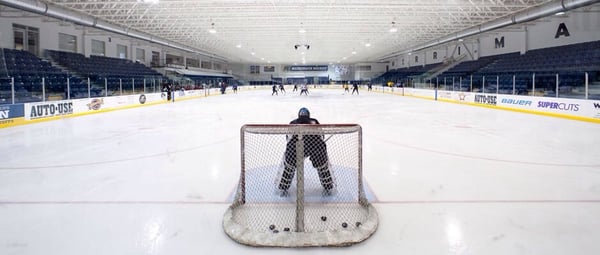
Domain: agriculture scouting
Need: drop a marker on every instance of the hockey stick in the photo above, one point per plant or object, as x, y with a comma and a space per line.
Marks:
328, 138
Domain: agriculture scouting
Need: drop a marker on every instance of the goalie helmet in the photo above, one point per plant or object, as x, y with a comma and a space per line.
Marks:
303, 112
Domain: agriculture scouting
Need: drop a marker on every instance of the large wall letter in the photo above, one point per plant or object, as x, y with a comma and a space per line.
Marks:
499, 43
562, 30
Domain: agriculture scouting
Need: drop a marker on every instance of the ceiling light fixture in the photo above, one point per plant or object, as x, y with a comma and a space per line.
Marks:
393, 29
353, 52
368, 44
302, 30
212, 29
148, 1
239, 45
306, 46
559, 13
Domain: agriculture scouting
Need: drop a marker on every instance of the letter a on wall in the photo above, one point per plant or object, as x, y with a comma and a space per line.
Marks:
562, 30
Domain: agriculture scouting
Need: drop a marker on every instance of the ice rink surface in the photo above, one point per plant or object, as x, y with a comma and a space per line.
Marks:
446, 178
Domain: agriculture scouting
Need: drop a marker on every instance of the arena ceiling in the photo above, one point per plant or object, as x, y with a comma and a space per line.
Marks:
266, 31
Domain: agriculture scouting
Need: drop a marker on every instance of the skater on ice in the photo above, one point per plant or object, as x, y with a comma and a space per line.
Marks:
354, 88
304, 89
281, 88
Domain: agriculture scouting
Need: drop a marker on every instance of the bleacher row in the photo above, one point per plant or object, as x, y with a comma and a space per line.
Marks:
103, 71
70, 70
570, 62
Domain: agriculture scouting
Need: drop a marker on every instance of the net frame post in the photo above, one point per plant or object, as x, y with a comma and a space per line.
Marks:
361, 192
242, 198
300, 183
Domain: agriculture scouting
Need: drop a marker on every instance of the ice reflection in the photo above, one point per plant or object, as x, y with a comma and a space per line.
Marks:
454, 233
153, 236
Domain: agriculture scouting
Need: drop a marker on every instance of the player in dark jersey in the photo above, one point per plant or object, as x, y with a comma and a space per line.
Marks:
304, 89
354, 88
282, 88
274, 90
314, 147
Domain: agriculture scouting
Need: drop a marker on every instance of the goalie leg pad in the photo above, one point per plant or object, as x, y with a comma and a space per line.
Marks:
325, 177
290, 166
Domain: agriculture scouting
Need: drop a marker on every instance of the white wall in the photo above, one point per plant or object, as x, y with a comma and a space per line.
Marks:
513, 42
50, 28
441, 55
583, 26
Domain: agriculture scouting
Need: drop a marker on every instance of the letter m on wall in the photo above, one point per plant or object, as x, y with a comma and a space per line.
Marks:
499, 43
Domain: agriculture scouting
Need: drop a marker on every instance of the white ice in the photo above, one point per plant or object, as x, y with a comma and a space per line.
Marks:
447, 178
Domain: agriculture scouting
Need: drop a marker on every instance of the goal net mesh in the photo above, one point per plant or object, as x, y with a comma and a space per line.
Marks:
300, 185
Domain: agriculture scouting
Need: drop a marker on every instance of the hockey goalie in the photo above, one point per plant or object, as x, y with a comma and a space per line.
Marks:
315, 149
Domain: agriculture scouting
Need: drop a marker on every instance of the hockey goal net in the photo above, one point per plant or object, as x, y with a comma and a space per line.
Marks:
300, 185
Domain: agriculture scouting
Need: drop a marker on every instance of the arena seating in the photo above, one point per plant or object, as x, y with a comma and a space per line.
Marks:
400, 74
570, 62
119, 73
28, 72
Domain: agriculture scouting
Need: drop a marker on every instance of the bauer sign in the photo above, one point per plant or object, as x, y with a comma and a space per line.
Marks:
48, 109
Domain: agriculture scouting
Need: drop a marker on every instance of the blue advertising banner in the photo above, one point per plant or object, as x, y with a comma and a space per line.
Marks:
307, 68
11, 111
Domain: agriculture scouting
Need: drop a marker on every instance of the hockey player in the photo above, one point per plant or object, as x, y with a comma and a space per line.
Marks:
295, 87
304, 89
346, 88
314, 147
281, 88
169, 91
354, 88
274, 90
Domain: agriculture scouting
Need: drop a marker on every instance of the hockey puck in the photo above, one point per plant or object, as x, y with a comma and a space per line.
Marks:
272, 227
344, 225
323, 218
286, 229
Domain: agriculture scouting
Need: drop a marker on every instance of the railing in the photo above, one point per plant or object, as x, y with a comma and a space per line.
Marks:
580, 85
3, 71
49, 89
